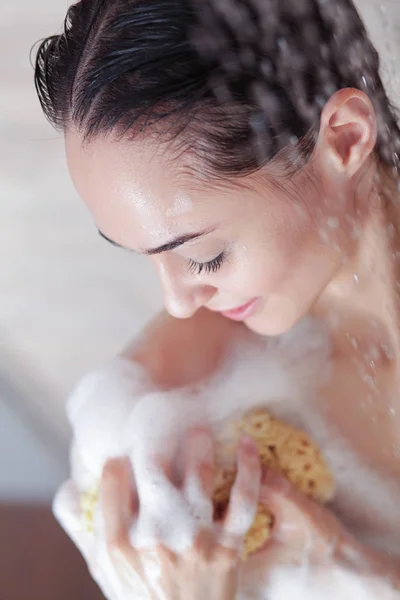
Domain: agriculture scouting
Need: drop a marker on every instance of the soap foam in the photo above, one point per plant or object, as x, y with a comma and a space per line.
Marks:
119, 417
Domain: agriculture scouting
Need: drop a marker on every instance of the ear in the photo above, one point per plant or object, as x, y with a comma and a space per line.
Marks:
348, 130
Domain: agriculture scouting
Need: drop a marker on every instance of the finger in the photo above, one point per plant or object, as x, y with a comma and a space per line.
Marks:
202, 549
127, 563
160, 571
119, 505
67, 510
199, 475
199, 461
305, 531
275, 489
118, 499
158, 464
244, 496
299, 523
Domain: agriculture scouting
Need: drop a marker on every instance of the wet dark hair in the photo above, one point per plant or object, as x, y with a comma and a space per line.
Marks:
233, 81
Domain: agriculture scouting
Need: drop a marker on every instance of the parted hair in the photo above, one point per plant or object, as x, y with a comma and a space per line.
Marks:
233, 81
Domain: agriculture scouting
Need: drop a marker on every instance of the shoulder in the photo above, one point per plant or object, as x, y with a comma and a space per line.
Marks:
178, 352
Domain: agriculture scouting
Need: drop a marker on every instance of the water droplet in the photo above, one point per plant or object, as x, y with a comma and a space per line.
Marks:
325, 52
266, 67
356, 280
356, 232
368, 379
387, 351
392, 411
374, 353
323, 234
282, 43
364, 80
391, 230
333, 222
354, 343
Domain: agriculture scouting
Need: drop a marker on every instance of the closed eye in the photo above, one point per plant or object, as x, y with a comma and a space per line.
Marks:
208, 267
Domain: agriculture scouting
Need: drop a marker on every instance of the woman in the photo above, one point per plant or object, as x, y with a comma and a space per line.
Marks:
248, 149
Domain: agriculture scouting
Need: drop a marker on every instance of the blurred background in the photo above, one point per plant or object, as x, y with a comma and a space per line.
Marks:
68, 301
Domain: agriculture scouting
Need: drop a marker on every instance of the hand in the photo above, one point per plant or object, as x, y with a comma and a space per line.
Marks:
304, 534
208, 567
308, 534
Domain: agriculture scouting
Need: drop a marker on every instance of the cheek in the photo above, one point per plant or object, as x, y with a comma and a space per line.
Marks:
281, 264
262, 272
276, 246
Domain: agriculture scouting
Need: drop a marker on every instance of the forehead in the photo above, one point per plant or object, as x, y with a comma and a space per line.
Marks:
139, 189
128, 185
107, 166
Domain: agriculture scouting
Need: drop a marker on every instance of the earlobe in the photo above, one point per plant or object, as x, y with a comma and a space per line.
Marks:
349, 129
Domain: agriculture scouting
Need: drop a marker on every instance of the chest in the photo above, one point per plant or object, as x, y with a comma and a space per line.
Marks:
346, 399
357, 423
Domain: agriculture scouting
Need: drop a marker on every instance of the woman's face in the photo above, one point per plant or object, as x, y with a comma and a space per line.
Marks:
261, 249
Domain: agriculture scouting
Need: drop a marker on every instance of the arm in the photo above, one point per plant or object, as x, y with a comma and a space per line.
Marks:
173, 353
179, 352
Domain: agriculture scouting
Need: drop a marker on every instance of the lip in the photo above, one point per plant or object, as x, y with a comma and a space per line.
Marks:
241, 312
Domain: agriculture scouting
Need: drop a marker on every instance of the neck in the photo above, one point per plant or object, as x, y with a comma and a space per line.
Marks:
364, 295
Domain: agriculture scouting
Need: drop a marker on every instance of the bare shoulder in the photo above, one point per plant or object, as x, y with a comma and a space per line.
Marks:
178, 352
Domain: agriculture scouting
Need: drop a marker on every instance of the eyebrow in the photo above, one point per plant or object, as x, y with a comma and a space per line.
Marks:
175, 243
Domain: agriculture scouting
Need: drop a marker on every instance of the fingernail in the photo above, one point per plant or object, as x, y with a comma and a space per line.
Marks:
248, 443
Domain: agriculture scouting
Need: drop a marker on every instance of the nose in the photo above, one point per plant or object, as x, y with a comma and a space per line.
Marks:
183, 297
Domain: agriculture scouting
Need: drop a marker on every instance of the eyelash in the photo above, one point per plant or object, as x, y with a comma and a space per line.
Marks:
209, 267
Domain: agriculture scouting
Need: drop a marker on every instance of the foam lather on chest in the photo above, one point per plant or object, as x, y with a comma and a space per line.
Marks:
281, 447
265, 390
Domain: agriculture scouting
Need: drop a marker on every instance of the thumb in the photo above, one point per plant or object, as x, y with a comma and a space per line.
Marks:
291, 519
304, 530
300, 525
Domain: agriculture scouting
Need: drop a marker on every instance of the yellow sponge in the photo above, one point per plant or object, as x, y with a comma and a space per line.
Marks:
282, 448
88, 502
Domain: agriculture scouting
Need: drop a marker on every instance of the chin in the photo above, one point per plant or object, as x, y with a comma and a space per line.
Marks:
269, 325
